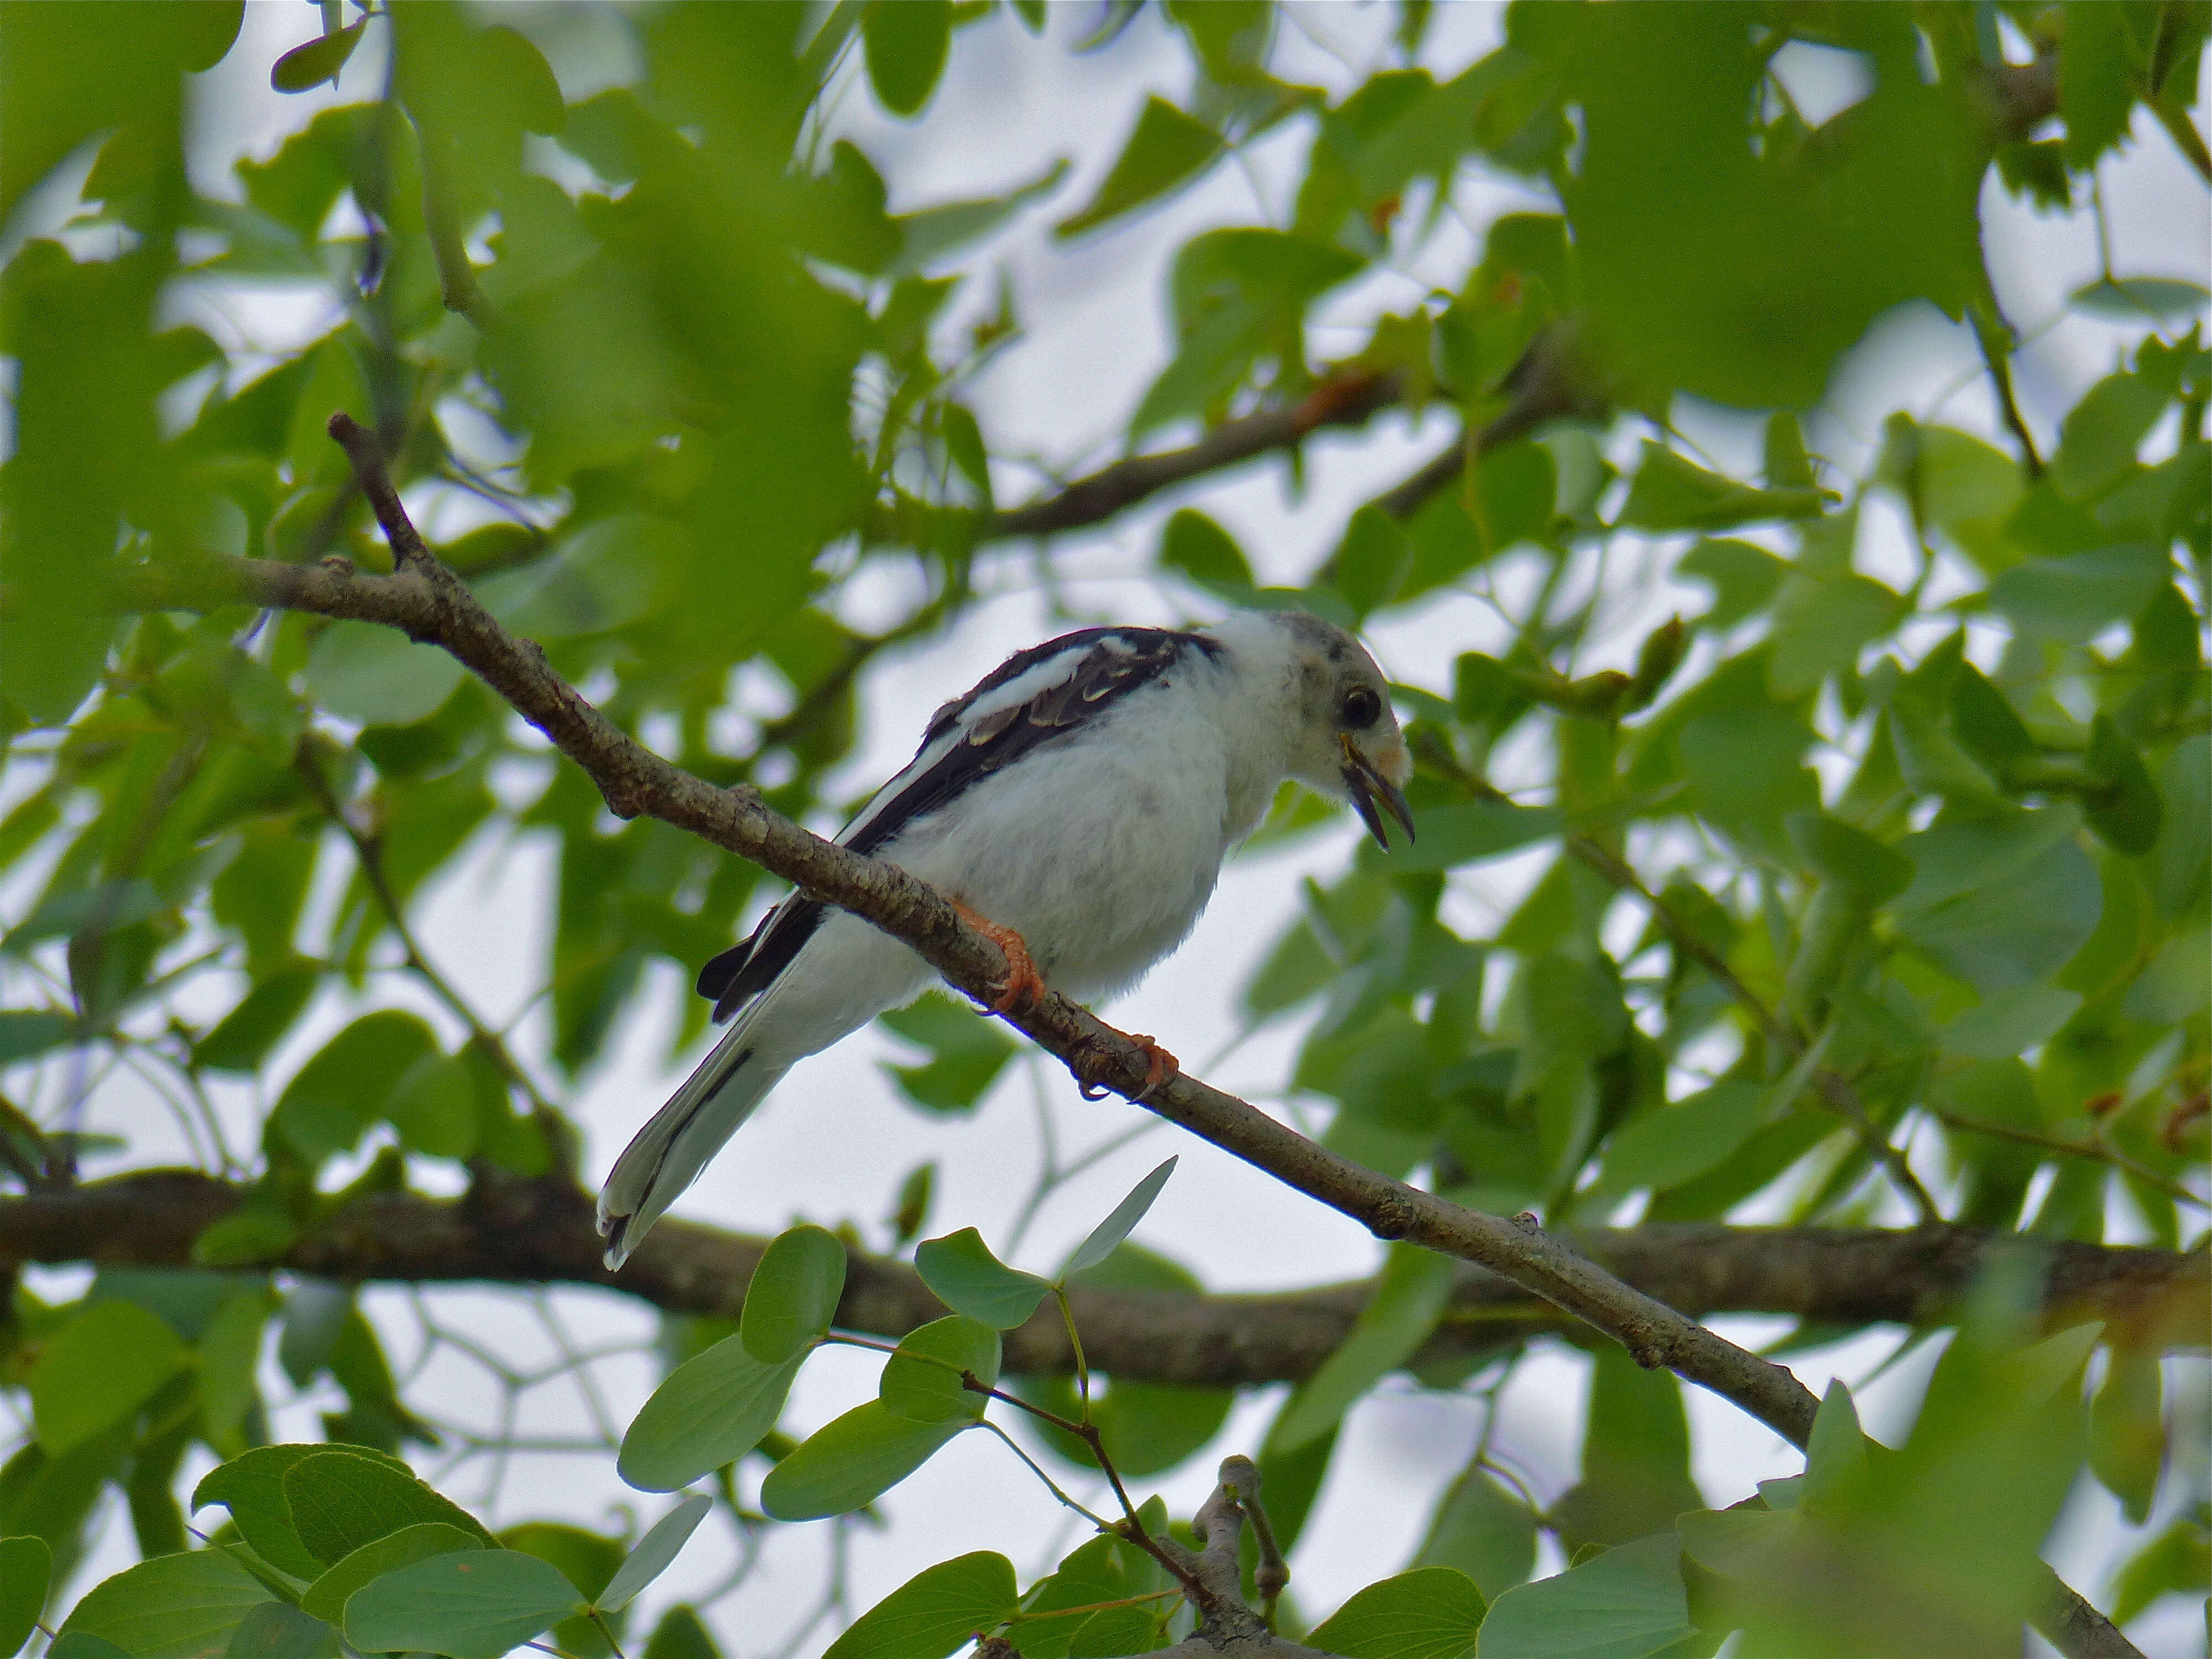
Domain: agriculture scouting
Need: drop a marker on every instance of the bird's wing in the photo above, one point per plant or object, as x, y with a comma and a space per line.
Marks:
1034, 696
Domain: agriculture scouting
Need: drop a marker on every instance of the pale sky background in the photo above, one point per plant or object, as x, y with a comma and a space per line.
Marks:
835, 1139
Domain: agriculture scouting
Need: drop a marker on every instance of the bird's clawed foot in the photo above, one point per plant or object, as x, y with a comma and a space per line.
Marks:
1159, 1067
1023, 984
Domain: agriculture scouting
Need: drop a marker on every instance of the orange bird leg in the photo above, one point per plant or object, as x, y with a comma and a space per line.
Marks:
1159, 1067
1023, 985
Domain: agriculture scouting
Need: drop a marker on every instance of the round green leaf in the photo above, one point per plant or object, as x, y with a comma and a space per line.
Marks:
277, 1629
851, 1461
378, 677
654, 1552
318, 61
102, 1366
934, 1612
1625, 1604
968, 1279
434, 1106
1486, 1532
252, 1487
333, 1098
26, 1566
326, 1597
2139, 299
173, 1606
711, 1410
1116, 1227
1865, 872
340, 1501
921, 1381
1431, 1613
907, 42
473, 1604
793, 1295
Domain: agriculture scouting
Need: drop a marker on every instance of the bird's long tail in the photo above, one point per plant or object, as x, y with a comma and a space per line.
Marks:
669, 1151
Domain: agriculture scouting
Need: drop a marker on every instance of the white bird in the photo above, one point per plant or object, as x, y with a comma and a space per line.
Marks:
1082, 798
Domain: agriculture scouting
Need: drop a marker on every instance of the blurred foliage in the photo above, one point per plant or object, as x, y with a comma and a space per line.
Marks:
1923, 858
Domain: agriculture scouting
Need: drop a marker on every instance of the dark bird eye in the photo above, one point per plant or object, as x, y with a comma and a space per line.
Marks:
1361, 708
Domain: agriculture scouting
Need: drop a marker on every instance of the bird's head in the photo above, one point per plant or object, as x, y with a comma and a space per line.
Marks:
1345, 739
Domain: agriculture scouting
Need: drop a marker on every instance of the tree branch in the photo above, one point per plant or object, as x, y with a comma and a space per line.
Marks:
515, 1232
1345, 399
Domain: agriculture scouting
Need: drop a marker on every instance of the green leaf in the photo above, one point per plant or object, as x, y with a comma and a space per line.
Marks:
241, 1039
276, 1630
1109, 1233
230, 1356
921, 1381
1485, 1531
968, 1053
851, 1461
377, 676
2127, 816
1469, 832
340, 1500
968, 1279
98, 1370
1836, 1457
613, 572
2142, 299
25, 1566
1194, 545
2076, 598
2099, 438
709, 1411
475, 1604
1166, 149
173, 1606
1409, 1299
679, 1635
934, 1612
1671, 492
1821, 624
327, 1596
252, 1487
906, 42
1635, 1457
1864, 871
2009, 1022
930, 234
27, 1033
653, 1554
793, 1298
1431, 1613
2179, 1559
333, 1099
2127, 1429
434, 1106
2022, 914
1743, 578
2096, 81
1627, 1603
1675, 1144
303, 68
1756, 1544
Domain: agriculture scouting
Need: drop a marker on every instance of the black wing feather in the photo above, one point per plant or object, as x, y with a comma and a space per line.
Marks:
1135, 657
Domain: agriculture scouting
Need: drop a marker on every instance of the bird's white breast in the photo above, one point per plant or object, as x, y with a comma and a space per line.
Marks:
1101, 850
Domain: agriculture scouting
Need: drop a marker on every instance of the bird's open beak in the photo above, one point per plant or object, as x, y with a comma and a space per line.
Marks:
1367, 786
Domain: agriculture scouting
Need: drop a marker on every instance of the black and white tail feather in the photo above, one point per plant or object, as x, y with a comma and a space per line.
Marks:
1146, 752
